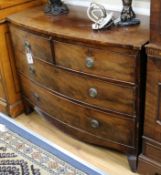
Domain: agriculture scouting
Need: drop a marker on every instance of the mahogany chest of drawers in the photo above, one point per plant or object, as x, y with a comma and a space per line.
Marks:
150, 159
89, 84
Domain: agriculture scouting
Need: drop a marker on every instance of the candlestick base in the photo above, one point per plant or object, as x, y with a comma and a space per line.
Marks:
134, 21
56, 7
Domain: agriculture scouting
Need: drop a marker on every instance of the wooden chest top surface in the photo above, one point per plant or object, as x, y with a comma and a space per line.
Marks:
76, 26
10, 3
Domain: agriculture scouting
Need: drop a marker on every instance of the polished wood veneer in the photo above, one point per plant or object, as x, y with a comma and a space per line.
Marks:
151, 154
155, 22
115, 68
150, 159
82, 117
90, 84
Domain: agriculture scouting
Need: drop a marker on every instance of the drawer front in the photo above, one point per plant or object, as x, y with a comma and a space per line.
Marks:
98, 62
104, 95
33, 44
148, 167
108, 127
152, 151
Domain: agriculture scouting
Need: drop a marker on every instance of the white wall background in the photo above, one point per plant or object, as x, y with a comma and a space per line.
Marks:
139, 6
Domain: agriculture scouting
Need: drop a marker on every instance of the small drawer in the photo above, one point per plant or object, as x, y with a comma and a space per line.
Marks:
98, 62
38, 46
111, 128
100, 94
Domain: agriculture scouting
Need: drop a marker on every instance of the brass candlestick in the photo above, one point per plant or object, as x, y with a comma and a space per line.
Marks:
56, 7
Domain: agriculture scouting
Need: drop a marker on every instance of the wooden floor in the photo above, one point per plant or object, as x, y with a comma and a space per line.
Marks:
108, 161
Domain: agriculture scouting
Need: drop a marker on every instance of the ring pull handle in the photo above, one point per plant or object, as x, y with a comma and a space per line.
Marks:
93, 92
94, 123
89, 62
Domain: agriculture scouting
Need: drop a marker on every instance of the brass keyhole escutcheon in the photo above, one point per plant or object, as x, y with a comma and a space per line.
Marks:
95, 123
93, 92
89, 62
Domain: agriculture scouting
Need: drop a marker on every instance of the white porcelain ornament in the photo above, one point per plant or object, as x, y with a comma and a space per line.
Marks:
99, 15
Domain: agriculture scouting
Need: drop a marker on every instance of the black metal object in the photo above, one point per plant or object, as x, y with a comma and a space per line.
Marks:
127, 14
56, 7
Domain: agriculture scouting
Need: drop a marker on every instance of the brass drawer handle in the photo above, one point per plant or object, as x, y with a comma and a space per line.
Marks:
94, 123
32, 70
93, 92
89, 62
36, 96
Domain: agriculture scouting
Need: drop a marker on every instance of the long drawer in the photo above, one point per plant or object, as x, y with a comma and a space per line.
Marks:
101, 94
112, 128
99, 62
